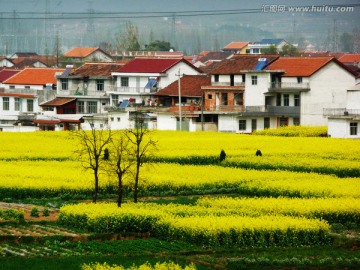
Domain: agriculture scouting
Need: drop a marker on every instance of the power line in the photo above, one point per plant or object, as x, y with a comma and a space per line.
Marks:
151, 14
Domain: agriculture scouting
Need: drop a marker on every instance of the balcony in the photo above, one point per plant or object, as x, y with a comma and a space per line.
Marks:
288, 87
225, 108
273, 110
341, 112
136, 90
228, 84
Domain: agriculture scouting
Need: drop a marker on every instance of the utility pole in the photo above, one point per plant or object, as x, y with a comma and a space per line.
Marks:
179, 87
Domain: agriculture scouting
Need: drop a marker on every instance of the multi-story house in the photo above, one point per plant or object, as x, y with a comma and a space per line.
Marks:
138, 81
294, 91
80, 92
171, 115
22, 92
224, 98
80, 55
259, 46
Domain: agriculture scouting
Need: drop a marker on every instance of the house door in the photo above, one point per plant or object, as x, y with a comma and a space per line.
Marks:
283, 121
185, 124
253, 125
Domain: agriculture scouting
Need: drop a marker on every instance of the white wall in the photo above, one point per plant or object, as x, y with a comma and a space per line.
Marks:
166, 122
254, 94
353, 99
340, 128
328, 89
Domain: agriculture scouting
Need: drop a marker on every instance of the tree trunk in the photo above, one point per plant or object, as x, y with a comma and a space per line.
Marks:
120, 190
136, 182
96, 188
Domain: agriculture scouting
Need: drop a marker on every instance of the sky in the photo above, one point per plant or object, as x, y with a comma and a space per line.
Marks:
26, 24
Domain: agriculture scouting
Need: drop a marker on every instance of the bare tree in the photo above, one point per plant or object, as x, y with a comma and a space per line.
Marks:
128, 38
120, 161
91, 148
143, 146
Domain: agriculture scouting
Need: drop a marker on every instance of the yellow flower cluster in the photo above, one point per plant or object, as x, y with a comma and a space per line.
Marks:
146, 266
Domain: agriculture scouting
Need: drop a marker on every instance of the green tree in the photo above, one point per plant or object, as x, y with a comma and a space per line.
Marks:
271, 50
159, 45
289, 50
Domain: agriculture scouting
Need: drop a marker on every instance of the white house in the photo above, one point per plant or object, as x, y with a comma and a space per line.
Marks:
289, 91
259, 46
344, 122
138, 80
17, 111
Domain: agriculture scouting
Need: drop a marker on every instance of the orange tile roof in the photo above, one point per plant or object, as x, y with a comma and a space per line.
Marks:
350, 58
236, 45
58, 101
96, 69
190, 86
300, 66
81, 52
34, 76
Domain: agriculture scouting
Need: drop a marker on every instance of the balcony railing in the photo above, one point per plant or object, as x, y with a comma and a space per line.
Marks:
134, 90
341, 112
225, 108
274, 110
228, 84
288, 86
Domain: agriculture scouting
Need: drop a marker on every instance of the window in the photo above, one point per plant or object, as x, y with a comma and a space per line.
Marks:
17, 104
296, 121
81, 107
112, 119
216, 77
118, 119
256, 50
209, 96
353, 128
12, 87
242, 124
224, 97
254, 80
125, 81
115, 100
286, 99
239, 99
247, 51
266, 122
278, 99
64, 84
100, 85
299, 79
30, 105
92, 107
27, 87
6, 103
297, 100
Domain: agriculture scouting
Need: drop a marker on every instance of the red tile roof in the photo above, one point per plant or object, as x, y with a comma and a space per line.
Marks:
81, 52
236, 45
96, 69
240, 62
300, 66
34, 76
350, 58
190, 86
58, 101
6, 74
150, 65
